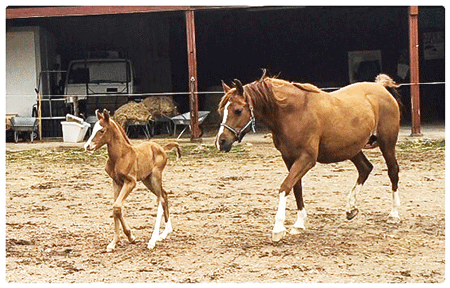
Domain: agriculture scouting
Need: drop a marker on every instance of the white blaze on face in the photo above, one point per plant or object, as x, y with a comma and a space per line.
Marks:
224, 120
97, 127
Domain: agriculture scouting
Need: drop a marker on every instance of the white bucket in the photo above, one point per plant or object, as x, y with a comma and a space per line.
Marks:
74, 132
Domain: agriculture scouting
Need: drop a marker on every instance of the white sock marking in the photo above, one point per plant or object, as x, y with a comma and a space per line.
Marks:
281, 214
166, 231
301, 216
395, 205
351, 198
155, 234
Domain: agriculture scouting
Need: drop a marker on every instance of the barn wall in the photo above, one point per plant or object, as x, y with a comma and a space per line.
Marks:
28, 52
306, 44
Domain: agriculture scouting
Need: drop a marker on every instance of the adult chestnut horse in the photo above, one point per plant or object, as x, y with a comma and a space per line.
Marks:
309, 125
128, 164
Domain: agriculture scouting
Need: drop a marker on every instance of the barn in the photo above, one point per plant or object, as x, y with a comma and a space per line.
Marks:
186, 51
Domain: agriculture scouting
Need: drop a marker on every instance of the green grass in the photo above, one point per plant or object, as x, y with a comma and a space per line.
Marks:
78, 155
421, 145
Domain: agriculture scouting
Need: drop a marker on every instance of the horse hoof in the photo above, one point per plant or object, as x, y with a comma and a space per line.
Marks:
277, 236
151, 246
296, 230
352, 213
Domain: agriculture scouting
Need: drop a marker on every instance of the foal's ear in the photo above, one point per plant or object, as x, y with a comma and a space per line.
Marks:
106, 115
225, 87
98, 114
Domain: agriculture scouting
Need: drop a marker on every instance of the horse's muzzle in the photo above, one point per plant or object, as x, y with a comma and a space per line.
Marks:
88, 147
224, 145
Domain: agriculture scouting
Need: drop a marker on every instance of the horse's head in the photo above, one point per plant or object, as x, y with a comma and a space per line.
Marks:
238, 117
100, 133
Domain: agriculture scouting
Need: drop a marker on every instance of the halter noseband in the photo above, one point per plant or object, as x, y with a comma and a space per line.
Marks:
241, 133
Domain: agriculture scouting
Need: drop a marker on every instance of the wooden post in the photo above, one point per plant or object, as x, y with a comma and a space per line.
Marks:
40, 115
414, 70
193, 84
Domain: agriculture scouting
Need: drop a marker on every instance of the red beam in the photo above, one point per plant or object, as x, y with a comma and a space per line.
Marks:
192, 65
58, 11
414, 70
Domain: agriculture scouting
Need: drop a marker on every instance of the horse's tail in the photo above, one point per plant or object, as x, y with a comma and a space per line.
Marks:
172, 145
391, 86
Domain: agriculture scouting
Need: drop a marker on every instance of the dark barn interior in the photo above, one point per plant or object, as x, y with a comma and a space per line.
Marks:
304, 44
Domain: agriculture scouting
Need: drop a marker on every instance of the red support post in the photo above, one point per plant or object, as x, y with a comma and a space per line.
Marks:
193, 84
414, 70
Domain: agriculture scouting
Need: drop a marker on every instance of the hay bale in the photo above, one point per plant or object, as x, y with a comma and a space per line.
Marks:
158, 105
146, 110
131, 111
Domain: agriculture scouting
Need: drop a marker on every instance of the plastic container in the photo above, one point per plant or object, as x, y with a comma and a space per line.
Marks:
72, 118
74, 132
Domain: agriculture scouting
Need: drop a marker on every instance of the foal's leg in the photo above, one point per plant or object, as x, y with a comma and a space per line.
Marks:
364, 168
298, 169
154, 183
112, 245
121, 192
168, 224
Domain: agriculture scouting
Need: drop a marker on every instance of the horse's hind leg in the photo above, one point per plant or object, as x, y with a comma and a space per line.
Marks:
393, 169
364, 168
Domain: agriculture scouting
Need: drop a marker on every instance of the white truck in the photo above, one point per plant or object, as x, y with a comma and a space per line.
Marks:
98, 83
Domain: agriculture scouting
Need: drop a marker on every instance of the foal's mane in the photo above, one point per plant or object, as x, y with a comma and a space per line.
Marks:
261, 92
122, 132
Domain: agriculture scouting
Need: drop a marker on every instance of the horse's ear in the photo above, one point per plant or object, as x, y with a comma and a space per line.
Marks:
98, 114
106, 115
239, 87
225, 87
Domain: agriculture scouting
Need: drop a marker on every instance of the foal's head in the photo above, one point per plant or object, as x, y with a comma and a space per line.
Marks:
102, 132
238, 116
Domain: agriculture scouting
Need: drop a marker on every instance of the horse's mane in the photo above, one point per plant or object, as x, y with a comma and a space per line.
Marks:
262, 93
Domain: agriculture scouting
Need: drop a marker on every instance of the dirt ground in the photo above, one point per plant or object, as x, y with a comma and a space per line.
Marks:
59, 219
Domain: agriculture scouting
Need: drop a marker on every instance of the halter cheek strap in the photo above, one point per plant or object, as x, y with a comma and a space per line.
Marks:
241, 133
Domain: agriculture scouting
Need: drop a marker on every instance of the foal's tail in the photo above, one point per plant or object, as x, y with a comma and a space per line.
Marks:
172, 145
391, 86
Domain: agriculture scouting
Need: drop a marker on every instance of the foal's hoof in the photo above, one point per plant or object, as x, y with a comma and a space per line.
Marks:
393, 220
296, 230
132, 239
277, 236
111, 247
352, 213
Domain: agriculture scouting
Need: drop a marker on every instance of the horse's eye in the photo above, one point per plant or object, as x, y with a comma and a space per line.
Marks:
238, 112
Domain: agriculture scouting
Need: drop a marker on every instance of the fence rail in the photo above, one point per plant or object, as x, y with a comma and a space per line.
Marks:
62, 97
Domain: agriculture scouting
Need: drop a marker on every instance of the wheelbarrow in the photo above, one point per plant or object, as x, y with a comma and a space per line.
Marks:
25, 125
185, 119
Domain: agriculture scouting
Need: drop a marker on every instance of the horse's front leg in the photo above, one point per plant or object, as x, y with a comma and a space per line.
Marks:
298, 169
299, 225
122, 193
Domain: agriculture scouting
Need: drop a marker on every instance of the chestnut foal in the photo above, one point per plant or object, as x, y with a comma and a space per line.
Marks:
128, 164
